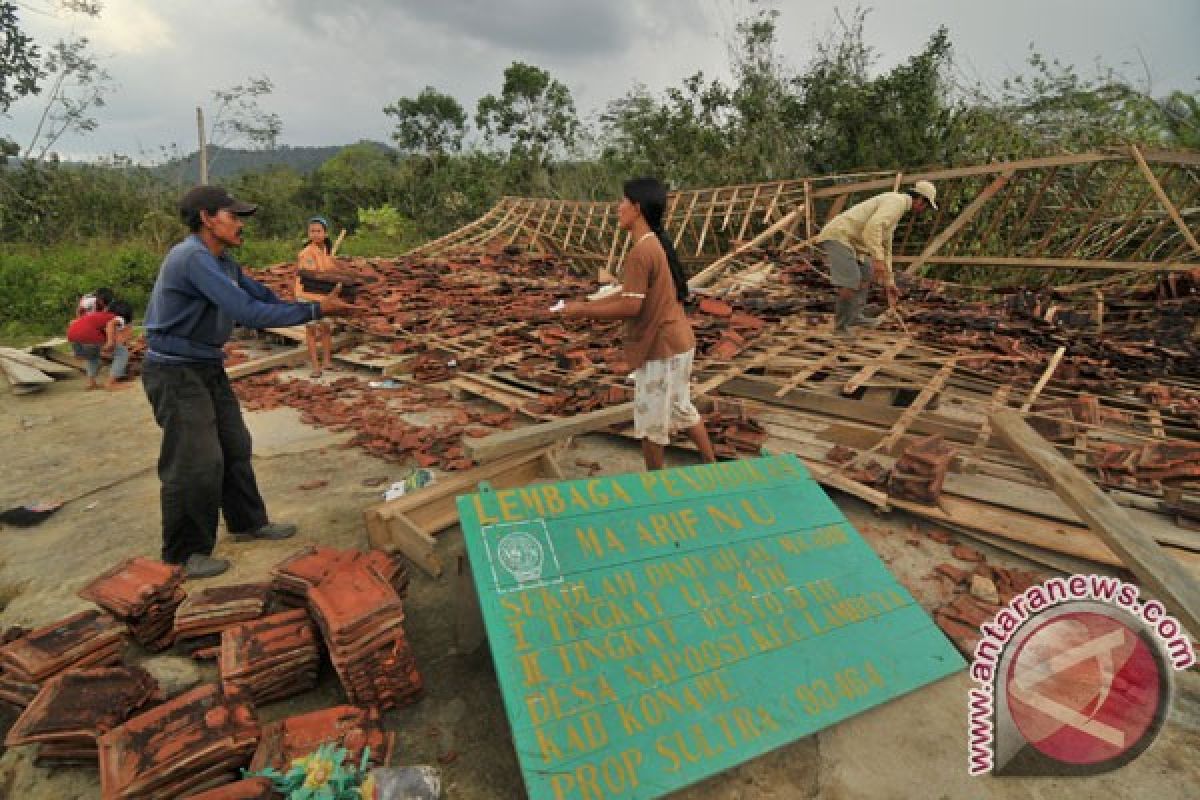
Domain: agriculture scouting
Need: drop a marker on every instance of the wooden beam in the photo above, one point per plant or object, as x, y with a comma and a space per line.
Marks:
1161, 575
959, 222
714, 270
288, 358
1046, 376
1164, 200
1051, 263
491, 447
868, 372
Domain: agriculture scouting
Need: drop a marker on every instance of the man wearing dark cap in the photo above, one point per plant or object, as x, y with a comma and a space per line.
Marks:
204, 464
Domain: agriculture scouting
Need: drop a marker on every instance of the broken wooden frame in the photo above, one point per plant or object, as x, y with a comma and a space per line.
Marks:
1114, 210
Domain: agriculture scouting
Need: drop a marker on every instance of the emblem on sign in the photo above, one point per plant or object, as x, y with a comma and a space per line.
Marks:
521, 555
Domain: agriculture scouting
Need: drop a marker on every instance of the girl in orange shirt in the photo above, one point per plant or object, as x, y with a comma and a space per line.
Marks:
316, 257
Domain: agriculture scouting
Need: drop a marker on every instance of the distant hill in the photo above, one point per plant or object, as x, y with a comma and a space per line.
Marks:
226, 162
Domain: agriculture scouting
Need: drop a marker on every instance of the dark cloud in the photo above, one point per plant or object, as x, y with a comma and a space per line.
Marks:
566, 29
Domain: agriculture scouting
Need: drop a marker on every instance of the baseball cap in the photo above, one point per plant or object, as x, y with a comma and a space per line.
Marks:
212, 199
928, 191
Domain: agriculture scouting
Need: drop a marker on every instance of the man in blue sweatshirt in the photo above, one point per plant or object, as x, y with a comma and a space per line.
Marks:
204, 464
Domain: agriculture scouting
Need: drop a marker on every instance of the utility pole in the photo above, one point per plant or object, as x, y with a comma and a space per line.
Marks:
203, 146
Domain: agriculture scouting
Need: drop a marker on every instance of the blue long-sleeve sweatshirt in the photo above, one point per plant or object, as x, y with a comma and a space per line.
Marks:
197, 298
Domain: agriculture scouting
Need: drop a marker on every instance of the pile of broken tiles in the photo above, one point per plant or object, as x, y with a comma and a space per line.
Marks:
87, 638
270, 658
143, 593
346, 726
196, 741
206, 612
75, 707
361, 617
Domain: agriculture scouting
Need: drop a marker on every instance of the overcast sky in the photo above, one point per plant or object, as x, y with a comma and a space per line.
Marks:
336, 63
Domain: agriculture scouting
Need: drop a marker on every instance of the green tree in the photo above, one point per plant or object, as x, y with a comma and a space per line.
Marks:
20, 71
236, 117
363, 175
894, 120
534, 111
431, 123
78, 87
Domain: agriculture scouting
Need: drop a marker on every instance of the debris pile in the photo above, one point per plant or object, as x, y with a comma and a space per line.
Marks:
979, 593
143, 593
346, 726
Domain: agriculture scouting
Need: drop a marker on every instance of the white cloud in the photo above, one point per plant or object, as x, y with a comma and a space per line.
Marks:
130, 27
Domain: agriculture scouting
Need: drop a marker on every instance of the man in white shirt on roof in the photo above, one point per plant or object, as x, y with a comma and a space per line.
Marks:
857, 244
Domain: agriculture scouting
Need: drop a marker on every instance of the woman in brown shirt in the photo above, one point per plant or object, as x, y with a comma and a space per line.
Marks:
658, 339
315, 257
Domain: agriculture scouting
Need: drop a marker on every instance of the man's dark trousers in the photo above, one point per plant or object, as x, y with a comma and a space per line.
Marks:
204, 464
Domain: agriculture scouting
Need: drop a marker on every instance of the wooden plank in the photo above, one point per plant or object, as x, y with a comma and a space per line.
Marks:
491, 447
288, 358
1164, 200
1158, 573
37, 362
918, 405
959, 222
774, 580
21, 375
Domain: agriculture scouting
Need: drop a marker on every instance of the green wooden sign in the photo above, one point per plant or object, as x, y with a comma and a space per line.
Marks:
652, 629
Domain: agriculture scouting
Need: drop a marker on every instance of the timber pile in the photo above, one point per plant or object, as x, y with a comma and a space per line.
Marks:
28, 373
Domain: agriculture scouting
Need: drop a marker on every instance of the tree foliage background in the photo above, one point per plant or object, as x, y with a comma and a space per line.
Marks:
778, 115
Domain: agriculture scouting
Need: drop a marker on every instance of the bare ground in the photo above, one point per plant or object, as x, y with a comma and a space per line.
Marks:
98, 450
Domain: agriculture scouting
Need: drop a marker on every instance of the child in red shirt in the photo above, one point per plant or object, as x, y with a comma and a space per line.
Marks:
88, 335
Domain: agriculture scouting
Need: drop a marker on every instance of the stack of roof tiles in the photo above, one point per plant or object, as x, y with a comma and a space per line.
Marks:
348, 726
88, 638
921, 470
271, 658
75, 707
205, 613
361, 617
296, 575
194, 742
143, 593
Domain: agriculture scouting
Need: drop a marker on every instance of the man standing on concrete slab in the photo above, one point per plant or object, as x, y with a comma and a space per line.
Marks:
857, 244
205, 461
